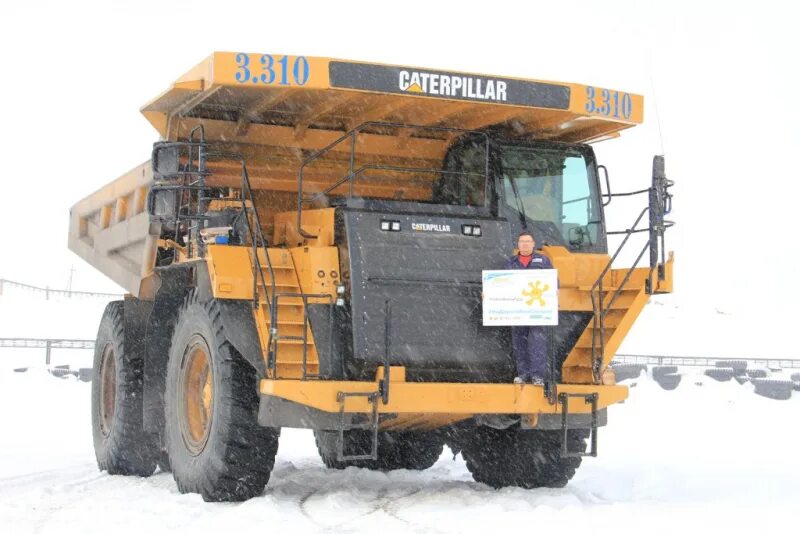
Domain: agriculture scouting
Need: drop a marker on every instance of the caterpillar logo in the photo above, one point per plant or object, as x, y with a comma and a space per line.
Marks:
431, 83
450, 85
427, 227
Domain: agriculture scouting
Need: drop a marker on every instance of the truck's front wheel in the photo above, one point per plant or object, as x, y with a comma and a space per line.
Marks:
121, 445
215, 446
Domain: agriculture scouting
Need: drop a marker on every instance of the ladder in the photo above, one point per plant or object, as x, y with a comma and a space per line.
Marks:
346, 424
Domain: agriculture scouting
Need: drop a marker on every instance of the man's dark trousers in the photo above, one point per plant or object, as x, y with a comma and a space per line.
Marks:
530, 342
530, 350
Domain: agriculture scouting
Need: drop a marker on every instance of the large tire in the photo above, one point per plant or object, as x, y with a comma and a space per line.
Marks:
627, 371
773, 389
663, 370
736, 365
121, 445
396, 450
214, 443
668, 381
524, 458
720, 374
756, 373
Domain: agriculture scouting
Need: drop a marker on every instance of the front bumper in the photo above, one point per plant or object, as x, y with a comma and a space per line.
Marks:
439, 398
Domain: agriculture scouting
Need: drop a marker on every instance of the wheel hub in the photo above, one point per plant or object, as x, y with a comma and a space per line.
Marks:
196, 395
108, 390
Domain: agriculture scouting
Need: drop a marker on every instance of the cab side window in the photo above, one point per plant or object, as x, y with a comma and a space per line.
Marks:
577, 205
464, 181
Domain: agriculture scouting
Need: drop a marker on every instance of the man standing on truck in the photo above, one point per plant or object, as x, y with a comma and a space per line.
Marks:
529, 342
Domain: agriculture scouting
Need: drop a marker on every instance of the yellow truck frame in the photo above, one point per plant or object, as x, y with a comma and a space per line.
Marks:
267, 141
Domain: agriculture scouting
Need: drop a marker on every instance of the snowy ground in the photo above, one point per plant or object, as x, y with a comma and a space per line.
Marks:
710, 457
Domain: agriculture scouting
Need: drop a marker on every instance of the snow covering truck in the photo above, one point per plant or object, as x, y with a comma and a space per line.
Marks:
304, 249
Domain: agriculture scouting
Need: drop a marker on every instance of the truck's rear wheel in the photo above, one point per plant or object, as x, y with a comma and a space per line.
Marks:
524, 458
121, 445
396, 450
215, 446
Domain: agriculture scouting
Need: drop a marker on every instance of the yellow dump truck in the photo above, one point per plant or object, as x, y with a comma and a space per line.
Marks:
304, 249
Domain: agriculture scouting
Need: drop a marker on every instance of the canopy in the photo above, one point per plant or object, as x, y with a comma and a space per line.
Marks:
306, 102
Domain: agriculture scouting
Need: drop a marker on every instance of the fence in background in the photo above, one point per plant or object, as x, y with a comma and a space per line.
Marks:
783, 363
57, 292
88, 344
47, 344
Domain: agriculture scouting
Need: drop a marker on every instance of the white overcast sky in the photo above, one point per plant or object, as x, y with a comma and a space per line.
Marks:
724, 77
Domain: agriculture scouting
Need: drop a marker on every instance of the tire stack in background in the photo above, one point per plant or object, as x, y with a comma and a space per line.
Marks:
667, 376
766, 382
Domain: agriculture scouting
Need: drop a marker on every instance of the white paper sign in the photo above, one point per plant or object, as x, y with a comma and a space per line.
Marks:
520, 297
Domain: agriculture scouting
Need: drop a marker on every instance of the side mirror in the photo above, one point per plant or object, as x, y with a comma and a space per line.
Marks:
607, 194
165, 161
658, 168
162, 204
579, 234
661, 186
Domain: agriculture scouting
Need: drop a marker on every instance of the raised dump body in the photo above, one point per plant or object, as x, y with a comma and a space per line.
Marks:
315, 230
110, 229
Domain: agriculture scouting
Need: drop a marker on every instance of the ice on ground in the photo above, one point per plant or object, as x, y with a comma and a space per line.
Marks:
711, 457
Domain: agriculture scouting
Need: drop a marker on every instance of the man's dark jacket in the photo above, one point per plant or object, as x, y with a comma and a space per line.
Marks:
538, 261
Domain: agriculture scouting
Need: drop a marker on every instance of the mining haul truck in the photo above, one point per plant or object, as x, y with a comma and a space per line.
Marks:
304, 249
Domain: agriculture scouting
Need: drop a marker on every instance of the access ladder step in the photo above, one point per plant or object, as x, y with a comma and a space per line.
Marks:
589, 398
344, 426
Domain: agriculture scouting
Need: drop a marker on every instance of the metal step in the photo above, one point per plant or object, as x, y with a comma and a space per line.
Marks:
609, 289
563, 400
294, 352
344, 425
279, 286
283, 302
293, 340
612, 318
585, 341
297, 362
291, 329
286, 314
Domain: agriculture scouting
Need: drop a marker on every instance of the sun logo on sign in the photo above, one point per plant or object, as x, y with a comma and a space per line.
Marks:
534, 292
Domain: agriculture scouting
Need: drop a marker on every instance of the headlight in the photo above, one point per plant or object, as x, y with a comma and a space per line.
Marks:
471, 229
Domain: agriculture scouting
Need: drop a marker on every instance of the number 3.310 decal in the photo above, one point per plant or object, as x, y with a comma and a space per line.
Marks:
608, 103
268, 70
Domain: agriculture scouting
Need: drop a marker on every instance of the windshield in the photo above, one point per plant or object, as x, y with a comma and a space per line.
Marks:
552, 185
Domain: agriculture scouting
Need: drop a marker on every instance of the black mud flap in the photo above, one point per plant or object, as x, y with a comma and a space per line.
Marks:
240, 329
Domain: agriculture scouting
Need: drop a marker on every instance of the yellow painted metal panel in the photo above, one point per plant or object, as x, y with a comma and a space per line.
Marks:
231, 269
231, 272
588, 113
440, 398
237, 69
317, 270
318, 222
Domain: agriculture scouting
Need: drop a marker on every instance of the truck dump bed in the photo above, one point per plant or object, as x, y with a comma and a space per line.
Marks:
277, 110
110, 229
